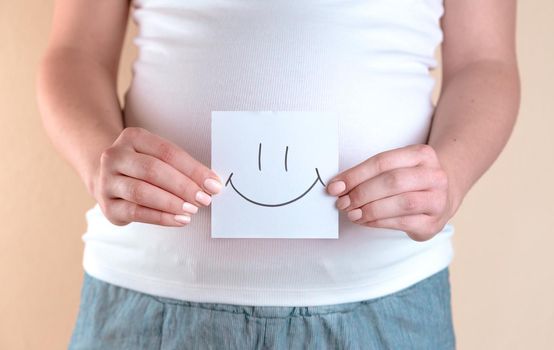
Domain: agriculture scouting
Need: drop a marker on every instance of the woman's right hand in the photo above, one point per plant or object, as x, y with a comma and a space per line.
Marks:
145, 178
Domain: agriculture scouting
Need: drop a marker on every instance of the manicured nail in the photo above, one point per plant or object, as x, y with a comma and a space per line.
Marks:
183, 219
354, 215
203, 198
336, 187
343, 202
189, 208
212, 185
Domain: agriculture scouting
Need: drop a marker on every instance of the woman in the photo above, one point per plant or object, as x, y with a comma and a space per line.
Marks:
153, 276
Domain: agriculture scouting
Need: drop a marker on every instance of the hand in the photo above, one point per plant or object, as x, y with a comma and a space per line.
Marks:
404, 189
145, 178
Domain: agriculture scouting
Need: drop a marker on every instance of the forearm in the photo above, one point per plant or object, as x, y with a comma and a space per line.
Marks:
79, 107
473, 120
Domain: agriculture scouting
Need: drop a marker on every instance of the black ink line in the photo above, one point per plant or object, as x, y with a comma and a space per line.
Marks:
286, 154
229, 181
319, 177
260, 157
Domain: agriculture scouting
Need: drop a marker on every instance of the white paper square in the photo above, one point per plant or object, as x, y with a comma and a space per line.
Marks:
274, 166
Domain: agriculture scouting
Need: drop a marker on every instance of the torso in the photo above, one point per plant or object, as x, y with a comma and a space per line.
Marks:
367, 59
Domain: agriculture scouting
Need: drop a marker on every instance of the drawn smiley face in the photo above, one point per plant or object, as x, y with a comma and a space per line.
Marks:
256, 202
274, 166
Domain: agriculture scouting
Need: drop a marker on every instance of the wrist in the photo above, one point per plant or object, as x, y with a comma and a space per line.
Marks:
456, 190
91, 169
455, 197
90, 177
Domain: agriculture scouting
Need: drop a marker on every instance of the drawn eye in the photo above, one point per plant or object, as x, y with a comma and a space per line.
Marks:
286, 154
260, 157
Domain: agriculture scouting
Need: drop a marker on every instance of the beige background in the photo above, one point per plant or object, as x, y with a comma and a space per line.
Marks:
502, 275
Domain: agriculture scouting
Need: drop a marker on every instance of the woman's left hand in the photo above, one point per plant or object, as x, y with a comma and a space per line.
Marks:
404, 189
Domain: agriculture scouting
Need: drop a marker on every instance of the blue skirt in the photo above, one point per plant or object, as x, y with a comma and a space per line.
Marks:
112, 317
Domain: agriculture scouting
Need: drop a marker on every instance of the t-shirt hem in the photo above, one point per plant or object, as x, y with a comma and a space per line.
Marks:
428, 263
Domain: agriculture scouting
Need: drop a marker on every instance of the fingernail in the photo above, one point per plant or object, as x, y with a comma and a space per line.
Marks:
354, 215
336, 187
184, 219
343, 202
190, 208
203, 198
212, 185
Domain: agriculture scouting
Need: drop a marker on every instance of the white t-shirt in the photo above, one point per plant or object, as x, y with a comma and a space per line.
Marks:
368, 59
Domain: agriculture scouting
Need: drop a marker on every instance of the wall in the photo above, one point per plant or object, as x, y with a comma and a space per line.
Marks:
502, 276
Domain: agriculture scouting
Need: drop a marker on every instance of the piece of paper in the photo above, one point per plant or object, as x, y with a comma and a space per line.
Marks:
275, 166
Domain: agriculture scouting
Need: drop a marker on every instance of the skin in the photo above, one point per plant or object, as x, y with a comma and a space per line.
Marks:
416, 189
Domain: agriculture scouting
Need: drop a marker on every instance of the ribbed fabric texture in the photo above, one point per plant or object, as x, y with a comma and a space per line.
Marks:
367, 59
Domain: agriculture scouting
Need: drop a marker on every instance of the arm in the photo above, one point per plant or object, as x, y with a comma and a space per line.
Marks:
76, 82
133, 174
480, 93
418, 188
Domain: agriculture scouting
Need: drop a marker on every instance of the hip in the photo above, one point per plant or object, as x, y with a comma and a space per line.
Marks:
113, 317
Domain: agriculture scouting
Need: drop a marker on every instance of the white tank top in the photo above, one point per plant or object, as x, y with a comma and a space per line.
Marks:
367, 59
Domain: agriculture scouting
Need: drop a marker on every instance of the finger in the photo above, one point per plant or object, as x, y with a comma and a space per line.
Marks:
419, 227
123, 212
146, 142
162, 175
145, 194
409, 203
391, 183
408, 156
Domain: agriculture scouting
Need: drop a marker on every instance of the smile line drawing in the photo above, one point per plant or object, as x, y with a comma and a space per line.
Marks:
318, 179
